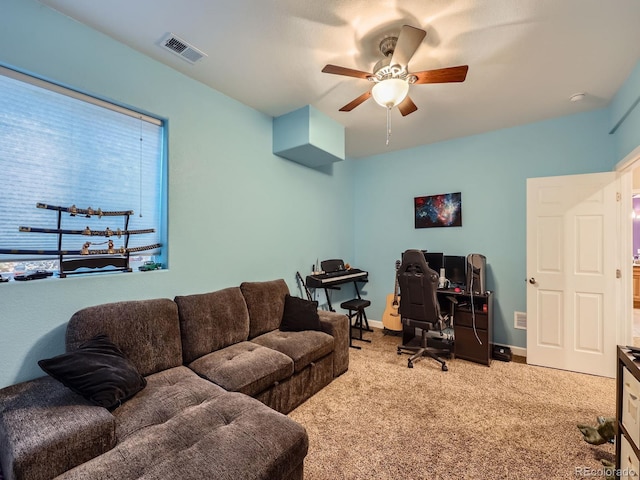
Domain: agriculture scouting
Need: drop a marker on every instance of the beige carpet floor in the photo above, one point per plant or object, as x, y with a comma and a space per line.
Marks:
512, 421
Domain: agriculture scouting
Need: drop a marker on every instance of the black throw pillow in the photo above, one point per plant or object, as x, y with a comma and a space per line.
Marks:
299, 314
97, 370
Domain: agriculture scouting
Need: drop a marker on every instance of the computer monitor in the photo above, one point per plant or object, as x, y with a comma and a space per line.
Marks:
455, 268
434, 260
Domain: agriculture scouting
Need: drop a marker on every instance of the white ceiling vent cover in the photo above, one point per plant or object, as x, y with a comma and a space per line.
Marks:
181, 48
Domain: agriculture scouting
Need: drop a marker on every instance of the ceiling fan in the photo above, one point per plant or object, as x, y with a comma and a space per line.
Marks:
391, 76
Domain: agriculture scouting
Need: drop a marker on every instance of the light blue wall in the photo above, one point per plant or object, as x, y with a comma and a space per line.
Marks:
491, 171
236, 211
625, 115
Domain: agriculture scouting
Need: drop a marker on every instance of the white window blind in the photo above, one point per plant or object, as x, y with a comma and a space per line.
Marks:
59, 149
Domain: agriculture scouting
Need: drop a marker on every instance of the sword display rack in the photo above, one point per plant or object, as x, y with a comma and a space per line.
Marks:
112, 258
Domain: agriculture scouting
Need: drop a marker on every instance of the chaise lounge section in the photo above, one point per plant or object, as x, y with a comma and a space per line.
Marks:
219, 378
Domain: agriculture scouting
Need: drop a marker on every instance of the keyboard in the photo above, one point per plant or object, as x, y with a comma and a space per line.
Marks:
341, 276
338, 273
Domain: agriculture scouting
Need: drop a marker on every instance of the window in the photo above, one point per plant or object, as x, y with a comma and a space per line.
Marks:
64, 148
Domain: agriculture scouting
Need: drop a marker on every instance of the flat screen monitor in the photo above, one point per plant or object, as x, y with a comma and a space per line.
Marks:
434, 260
455, 268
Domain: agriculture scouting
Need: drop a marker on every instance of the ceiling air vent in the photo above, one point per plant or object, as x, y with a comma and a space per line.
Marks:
181, 48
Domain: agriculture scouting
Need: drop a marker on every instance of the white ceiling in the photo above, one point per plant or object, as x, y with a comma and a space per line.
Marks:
525, 57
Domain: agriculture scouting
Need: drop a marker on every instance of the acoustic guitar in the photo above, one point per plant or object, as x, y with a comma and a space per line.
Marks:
391, 317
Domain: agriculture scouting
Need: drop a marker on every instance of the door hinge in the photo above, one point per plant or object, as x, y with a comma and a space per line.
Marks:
618, 196
618, 273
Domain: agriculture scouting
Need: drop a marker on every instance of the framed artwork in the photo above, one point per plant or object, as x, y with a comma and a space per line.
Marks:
443, 210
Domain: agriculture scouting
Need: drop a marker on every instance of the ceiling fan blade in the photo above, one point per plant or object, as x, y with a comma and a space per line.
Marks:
349, 72
442, 75
407, 106
355, 102
408, 42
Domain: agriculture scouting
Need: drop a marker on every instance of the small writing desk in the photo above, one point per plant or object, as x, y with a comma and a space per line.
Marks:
472, 323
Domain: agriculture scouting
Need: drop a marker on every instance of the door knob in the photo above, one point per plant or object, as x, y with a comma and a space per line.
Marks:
532, 281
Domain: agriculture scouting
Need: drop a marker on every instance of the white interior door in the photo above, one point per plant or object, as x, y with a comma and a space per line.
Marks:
572, 232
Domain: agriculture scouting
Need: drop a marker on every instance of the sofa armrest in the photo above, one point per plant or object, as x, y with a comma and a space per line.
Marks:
337, 325
46, 429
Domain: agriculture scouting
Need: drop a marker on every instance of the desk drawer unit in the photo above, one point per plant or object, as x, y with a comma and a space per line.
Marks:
631, 405
629, 465
464, 318
472, 336
627, 414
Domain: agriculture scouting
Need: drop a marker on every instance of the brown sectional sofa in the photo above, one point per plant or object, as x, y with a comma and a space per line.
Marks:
207, 359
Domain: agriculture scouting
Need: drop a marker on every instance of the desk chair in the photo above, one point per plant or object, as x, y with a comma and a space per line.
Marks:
419, 307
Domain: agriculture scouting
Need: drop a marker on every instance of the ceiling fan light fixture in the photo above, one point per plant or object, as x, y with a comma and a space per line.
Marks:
390, 92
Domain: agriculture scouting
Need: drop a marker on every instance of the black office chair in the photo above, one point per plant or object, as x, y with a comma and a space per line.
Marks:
419, 308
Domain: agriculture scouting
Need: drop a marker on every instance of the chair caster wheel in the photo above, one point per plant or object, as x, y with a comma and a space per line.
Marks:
445, 368
410, 365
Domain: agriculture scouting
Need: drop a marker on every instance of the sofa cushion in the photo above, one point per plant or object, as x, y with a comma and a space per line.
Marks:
98, 371
229, 437
302, 347
211, 321
46, 429
244, 367
265, 302
166, 395
147, 331
299, 314
293, 391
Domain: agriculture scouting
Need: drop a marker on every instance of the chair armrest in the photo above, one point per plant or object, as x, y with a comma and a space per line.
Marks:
46, 429
337, 325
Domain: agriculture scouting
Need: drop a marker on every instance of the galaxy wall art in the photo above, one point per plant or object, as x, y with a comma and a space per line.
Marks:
444, 210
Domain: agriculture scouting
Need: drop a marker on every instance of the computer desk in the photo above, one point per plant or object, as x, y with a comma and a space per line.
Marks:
472, 323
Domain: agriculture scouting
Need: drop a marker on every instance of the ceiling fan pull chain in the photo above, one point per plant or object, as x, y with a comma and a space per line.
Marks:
388, 123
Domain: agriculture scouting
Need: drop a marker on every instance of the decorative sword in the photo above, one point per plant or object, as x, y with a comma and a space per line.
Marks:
88, 212
87, 231
84, 251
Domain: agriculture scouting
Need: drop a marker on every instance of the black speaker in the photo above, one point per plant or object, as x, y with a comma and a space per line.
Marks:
334, 265
476, 273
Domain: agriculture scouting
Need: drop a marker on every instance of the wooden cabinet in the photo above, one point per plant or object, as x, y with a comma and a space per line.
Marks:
472, 328
627, 415
636, 286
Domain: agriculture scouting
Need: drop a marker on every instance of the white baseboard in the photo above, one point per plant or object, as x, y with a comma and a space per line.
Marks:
376, 324
519, 351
